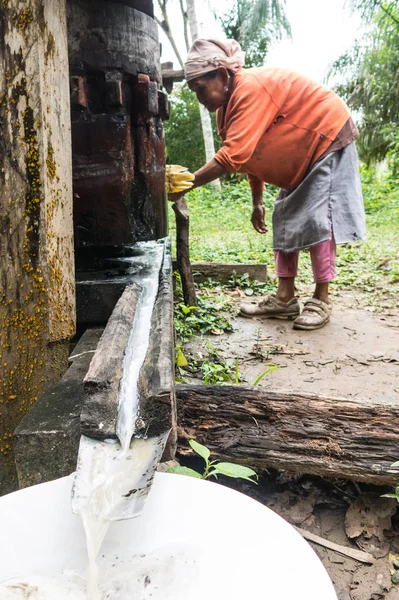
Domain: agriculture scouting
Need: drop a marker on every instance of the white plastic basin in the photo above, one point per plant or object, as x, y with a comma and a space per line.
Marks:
195, 540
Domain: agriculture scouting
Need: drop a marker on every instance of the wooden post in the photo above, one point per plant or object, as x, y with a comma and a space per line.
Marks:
37, 292
183, 251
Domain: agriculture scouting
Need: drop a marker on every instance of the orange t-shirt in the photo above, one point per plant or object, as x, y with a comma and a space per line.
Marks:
276, 125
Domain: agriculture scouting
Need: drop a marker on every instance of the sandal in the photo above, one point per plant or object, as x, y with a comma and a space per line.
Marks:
315, 314
272, 308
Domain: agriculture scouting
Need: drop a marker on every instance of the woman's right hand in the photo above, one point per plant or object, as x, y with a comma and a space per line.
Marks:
258, 218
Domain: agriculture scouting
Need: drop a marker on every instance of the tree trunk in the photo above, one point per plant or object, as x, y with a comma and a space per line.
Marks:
206, 122
335, 437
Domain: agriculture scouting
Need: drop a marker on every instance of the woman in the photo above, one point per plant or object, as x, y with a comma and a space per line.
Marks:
282, 128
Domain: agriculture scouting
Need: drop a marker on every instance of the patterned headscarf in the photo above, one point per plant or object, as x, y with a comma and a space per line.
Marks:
207, 55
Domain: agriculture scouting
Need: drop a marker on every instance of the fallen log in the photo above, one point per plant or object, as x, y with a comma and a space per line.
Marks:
335, 437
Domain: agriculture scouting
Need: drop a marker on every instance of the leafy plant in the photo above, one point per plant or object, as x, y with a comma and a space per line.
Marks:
215, 373
214, 468
369, 78
255, 24
250, 286
184, 140
204, 318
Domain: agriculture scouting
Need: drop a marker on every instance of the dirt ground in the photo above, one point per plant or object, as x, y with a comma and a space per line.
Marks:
355, 355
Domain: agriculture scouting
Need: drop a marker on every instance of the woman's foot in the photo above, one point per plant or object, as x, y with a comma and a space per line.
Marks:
271, 307
315, 314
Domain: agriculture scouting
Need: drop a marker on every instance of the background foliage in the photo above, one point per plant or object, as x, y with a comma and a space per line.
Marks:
369, 79
184, 142
255, 25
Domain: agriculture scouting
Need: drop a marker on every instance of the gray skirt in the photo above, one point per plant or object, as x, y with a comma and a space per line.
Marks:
327, 202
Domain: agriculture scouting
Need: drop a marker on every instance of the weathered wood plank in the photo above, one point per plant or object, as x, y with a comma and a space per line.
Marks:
157, 378
358, 555
157, 410
99, 412
336, 437
224, 271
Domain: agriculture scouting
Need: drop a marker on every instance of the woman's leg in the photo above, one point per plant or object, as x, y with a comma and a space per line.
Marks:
286, 264
323, 258
316, 311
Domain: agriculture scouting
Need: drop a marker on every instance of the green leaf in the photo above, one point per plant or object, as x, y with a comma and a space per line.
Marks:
395, 464
181, 360
262, 375
235, 471
185, 309
203, 451
273, 367
390, 496
178, 470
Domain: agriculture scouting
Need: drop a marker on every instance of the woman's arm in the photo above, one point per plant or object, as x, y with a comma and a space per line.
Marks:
209, 172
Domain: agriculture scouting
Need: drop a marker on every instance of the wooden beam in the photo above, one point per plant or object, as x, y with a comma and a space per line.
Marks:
102, 381
335, 437
223, 272
170, 76
175, 74
157, 375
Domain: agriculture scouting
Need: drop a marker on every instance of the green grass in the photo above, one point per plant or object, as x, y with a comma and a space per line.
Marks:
221, 231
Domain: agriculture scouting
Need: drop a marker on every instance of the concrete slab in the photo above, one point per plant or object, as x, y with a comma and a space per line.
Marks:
46, 441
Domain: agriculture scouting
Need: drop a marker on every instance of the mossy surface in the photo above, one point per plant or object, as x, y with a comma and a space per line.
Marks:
31, 276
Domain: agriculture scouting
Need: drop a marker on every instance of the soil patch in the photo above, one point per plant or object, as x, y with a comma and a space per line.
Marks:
355, 355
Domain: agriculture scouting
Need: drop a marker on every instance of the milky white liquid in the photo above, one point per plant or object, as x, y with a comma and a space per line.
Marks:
151, 576
108, 471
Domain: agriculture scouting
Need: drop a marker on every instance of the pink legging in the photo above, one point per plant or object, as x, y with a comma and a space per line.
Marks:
322, 257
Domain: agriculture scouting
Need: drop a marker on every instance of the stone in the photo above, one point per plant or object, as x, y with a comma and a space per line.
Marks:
46, 442
95, 301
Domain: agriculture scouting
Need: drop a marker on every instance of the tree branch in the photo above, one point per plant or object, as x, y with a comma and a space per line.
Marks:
388, 13
165, 26
185, 23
